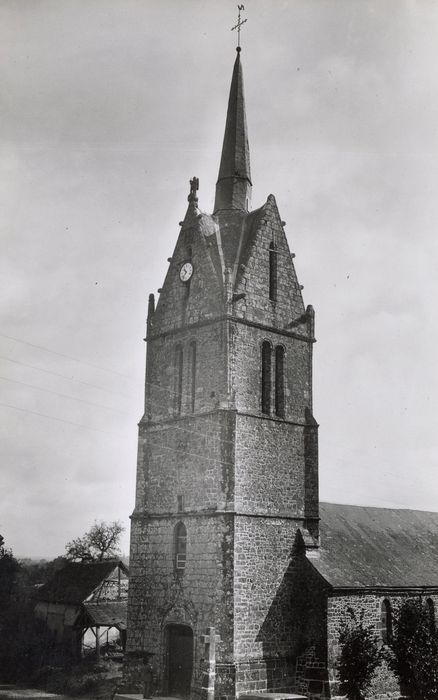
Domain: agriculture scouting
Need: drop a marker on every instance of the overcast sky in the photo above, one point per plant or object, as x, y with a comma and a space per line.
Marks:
108, 107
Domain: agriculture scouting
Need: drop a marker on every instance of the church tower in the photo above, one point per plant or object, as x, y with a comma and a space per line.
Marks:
227, 455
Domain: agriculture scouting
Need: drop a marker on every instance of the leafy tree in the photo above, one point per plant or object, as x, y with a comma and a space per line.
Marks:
9, 569
39, 572
100, 542
10, 598
25, 643
360, 656
415, 651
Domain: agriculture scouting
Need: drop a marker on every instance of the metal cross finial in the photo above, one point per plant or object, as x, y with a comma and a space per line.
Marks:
239, 24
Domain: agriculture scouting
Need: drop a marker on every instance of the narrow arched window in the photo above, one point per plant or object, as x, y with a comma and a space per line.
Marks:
192, 375
279, 381
386, 622
266, 377
430, 610
273, 272
178, 373
180, 547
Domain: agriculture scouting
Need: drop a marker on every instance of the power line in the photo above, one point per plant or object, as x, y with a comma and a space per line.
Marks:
64, 396
63, 376
60, 420
198, 433
56, 374
68, 357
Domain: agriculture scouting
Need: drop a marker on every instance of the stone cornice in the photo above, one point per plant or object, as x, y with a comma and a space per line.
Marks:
233, 319
148, 515
145, 423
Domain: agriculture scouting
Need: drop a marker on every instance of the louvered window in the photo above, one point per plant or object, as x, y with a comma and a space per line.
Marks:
180, 547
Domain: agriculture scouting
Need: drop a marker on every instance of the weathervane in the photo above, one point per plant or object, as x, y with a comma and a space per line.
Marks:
239, 24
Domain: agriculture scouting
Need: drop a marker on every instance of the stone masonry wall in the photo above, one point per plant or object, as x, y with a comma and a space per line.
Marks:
263, 549
190, 457
252, 278
270, 469
200, 597
341, 608
181, 304
246, 371
210, 381
280, 611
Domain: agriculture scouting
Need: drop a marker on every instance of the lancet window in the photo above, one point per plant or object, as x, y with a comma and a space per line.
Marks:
279, 381
273, 272
386, 621
180, 547
192, 375
178, 374
266, 377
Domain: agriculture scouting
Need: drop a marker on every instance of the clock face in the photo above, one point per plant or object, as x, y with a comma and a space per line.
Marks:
186, 272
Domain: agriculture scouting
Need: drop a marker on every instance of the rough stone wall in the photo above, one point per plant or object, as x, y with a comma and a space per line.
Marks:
341, 607
245, 368
252, 278
308, 624
211, 379
190, 457
263, 550
280, 612
200, 596
202, 298
270, 469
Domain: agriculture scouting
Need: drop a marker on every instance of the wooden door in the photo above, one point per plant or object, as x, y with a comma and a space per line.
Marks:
180, 660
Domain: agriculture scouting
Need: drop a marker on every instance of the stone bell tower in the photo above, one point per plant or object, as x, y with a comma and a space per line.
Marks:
227, 454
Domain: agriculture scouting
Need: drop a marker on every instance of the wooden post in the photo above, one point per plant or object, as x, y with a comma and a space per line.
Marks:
97, 643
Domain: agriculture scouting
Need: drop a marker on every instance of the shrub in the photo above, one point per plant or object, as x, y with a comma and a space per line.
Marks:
415, 651
359, 658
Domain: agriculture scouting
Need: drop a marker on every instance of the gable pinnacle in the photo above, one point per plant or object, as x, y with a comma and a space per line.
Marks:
233, 187
194, 187
192, 198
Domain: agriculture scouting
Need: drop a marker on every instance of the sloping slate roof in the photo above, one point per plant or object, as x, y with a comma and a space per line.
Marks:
106, 614
365, 547
76, 581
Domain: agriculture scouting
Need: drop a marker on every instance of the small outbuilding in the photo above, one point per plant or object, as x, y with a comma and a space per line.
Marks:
84, 606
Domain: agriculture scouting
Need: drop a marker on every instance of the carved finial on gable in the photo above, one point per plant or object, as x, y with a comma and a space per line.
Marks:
194, 187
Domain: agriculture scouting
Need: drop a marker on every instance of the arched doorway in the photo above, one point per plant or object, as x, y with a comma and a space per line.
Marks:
179, 646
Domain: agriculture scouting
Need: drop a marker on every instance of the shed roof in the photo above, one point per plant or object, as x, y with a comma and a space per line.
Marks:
112, 613
77, 580
364, 547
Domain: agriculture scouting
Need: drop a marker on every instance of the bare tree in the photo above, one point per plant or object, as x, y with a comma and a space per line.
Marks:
100, 542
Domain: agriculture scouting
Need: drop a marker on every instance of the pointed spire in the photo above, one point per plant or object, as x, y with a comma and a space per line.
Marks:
233, 188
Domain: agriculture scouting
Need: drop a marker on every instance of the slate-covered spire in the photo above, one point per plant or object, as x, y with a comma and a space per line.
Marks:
233, 188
